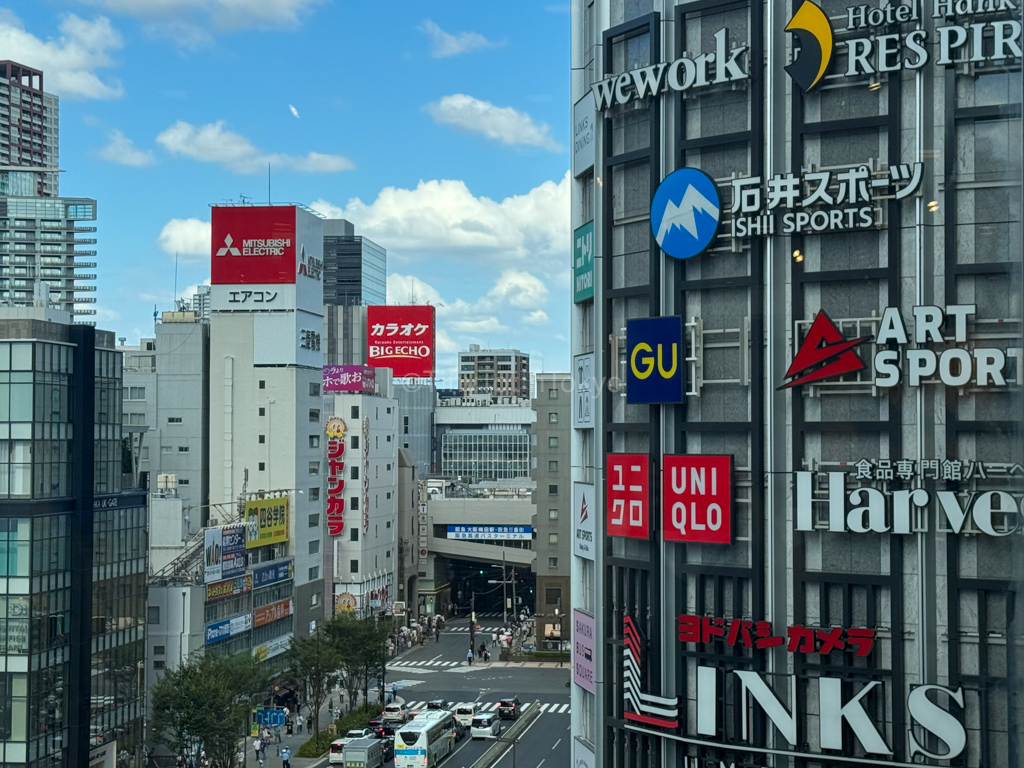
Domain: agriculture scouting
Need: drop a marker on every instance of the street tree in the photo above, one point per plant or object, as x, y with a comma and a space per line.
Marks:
315, 668
204, 705
362, 644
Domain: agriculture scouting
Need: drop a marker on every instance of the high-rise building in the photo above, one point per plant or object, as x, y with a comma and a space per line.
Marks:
355, 267
498, 372
29, 133
199, 303
797, 323
552, 497
483, 438
74, 586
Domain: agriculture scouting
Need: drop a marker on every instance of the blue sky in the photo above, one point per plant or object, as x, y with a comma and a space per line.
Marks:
441, 129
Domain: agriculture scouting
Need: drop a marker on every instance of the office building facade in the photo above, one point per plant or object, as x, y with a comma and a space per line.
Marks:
29, 133
498, 372
481, 438
355, 267
75, 581
797, 304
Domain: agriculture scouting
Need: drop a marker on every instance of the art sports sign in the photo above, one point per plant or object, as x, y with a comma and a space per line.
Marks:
402, 339
253, 244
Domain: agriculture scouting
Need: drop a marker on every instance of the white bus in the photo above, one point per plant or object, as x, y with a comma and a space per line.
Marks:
424, 741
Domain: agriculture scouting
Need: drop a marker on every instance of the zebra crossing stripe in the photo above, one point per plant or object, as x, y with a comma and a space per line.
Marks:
564, 709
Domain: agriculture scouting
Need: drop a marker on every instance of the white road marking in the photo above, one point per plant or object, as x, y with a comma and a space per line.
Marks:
556, 744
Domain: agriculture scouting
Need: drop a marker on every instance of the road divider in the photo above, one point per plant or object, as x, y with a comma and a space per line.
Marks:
498, 748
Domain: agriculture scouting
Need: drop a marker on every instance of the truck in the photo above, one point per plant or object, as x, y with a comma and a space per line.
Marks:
364, 753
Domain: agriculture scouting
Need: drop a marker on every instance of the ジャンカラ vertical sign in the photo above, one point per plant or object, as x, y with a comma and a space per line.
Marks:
335, 429
583, 263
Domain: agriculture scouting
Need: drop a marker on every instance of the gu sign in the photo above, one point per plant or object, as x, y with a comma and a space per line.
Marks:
655, 360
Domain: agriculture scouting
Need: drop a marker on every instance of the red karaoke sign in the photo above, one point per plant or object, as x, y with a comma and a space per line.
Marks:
252, 245
402, 339
335, 476
697, 499
628, 495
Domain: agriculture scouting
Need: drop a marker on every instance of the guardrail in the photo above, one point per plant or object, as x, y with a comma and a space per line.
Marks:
496, 750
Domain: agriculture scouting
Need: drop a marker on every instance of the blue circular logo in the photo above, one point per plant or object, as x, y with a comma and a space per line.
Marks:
685, 213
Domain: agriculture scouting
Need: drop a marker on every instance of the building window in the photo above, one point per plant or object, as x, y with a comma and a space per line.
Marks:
174, 419
261, 439
355, 411
552, 466
183, 481
553, 441
182, 449
354, 534
314, 573
314, 546
552, 514
552, 490
314, 494
354, 442
136, 419
159, 650
314, 389
353, 566
388, 554
405, 425
389, 438
355, 473
158, 663
262, 466
314, 441
552, 595
314, 415
353, 503
263, 411
552, 562
133, 393
552, 538
552, 417
314, 467
263, 384
166, 449
314, 521
552, 394
153, 614
389, 409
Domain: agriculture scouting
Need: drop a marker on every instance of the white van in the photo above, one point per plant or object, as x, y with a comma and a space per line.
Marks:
465, 712
486, 725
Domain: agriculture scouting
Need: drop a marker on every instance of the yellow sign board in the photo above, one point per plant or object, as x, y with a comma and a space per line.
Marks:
266, 521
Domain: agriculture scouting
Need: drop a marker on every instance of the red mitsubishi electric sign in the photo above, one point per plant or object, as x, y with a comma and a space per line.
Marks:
697, 499
252, 244
402, 339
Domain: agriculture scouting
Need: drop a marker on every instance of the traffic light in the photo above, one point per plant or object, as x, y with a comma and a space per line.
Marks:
531, 590
481, 571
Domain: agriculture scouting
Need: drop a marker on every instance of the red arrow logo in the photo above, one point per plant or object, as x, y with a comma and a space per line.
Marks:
825, 354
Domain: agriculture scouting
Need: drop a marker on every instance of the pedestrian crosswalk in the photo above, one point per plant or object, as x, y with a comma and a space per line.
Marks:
407, 664
465, 629
492, 706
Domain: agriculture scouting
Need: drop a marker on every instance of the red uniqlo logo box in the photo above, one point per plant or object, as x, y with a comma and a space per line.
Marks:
628, 495
697, 499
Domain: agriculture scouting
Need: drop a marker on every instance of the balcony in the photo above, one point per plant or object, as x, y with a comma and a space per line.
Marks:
80, 229
83, 253
84, 241
84, 265
84, 288
87, 300
85, 277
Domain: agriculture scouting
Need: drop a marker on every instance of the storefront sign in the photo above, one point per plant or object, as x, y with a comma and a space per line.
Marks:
584, 542
272, 574
222, 630
583, 406
335, 430
685, 213
716, 631
491, 532
272, 648
723, 65
346, 601
628, 495
584, 147
697, 499
583, 263
655, 360
228, 588
402, 339
266, 521
349, 378
584, 642
273, 612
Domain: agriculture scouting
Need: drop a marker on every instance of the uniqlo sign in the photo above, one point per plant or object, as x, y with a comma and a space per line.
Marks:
628, 495
252, 244
697, 499
402, 339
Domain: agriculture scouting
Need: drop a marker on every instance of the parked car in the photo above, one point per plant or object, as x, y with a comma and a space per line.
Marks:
509, 709
395, 713
440, 704
485, 725
465, 712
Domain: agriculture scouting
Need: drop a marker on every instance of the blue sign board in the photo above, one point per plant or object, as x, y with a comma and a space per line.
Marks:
491, 532
270, 717
655, 360
685, 213
272, 574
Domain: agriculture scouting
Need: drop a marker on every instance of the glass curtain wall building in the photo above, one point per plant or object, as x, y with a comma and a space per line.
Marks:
797, 317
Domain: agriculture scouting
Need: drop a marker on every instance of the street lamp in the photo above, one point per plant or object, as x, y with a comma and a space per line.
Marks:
507, 741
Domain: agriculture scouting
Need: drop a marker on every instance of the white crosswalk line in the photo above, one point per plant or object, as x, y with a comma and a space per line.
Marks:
452, 663
564, 709
544, 708
418, 705
527, 705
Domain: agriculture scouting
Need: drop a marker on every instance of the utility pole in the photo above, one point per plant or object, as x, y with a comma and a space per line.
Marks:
472, 623
504, 597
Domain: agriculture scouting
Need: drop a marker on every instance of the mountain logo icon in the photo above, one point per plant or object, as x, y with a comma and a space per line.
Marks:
825, 354
685, 213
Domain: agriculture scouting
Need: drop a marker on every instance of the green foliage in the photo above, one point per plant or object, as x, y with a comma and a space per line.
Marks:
357, 718
363, 649
205, 703
313, 665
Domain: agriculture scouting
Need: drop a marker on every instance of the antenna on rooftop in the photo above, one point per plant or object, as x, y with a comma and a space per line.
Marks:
243, 199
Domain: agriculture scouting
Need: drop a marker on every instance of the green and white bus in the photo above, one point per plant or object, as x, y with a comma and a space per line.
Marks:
424, 741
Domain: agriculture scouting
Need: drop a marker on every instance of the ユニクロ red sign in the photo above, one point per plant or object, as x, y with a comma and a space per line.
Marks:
697, 499
402, 339
252, 244
629, 493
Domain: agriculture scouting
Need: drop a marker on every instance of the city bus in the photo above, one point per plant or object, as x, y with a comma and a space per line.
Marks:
424, 741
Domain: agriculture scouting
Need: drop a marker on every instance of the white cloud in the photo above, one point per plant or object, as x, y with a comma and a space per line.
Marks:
407, 289
537, 317
489, 324
186, 237
187, 292
69, 62
443, 219
444, 44
212, 143
505, 124
122, 150
226, 14
520, 289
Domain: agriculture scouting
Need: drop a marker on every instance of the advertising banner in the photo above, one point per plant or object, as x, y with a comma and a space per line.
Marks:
656, 360
335, 429
222, 630
697, 499
212, 548
349, 378
266, 521
228, 588
272, 574
583, 535
628, 494
584, 639
272, 612
402, 339
491, 532
272, 648
252, 244
232, 550
584, 147
583, 263
583, 391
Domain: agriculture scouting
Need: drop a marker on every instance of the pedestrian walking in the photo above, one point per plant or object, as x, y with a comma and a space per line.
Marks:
309, 723
257, 746
437, 634
469, 657
286, 758
330, 706
394, 691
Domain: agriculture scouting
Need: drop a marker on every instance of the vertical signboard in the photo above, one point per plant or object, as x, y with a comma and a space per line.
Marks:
232, 550
335, 514
697, 499
584, 640
655, 360
628, 495
402, 339
583, 386
584, 125
212, 547
583, 537
583, 263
